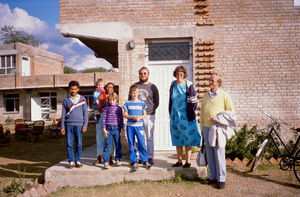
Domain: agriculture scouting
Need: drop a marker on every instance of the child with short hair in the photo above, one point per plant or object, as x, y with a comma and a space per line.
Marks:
135, 112
112, 124
74, 122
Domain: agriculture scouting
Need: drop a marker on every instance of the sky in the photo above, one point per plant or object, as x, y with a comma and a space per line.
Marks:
40, 18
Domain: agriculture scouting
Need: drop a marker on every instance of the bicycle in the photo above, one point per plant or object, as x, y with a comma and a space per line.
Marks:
291, 160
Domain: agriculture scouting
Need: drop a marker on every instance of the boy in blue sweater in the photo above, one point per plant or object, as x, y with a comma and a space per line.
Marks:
74, 122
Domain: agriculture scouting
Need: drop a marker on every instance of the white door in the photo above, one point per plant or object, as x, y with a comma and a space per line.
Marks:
36, 109
25, 66
161, 74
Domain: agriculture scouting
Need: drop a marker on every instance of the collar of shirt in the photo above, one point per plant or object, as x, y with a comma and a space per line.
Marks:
76, 99
213, 95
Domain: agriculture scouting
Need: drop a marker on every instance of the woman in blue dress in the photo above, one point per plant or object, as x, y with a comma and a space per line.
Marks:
185, 130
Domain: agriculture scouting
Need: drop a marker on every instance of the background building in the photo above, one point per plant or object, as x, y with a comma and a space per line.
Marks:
33, 86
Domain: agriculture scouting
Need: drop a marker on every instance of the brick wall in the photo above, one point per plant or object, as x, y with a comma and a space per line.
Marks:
257, 47
41, 61
135, 12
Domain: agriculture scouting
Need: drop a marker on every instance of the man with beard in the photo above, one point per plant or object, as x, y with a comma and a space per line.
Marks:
148, 94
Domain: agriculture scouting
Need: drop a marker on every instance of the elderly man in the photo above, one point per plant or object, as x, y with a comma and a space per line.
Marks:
149, 94
213, 103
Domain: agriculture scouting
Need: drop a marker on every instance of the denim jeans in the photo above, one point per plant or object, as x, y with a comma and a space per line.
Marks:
137, 132
100, 139
114, 133
74, 131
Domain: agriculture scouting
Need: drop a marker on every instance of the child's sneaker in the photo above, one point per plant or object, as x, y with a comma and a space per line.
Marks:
78, 164
146, 165
106, 165
71, 165
118, 163
135, 166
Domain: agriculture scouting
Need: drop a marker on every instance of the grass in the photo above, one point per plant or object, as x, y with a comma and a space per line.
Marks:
32, 159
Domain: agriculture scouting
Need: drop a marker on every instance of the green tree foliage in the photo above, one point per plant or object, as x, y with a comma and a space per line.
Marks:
11, 34
92, 70
69, 70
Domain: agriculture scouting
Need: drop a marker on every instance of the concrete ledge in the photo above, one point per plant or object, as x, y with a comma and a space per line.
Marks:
90, 175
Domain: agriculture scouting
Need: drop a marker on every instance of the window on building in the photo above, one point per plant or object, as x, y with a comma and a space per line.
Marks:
8, 64
48, 104
11, 102
89, 98
296, 2
163, 51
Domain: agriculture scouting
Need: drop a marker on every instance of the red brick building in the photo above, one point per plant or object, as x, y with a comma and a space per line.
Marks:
33, 84
255, 45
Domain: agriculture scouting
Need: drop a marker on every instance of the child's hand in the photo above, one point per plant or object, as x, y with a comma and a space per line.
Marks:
138, 118
121, 133
84, 129
106, 133
63, 131
97, 103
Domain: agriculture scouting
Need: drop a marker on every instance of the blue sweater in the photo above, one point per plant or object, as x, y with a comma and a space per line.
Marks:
74, 114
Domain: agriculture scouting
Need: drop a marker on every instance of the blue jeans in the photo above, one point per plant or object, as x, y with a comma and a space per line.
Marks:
74, 131
141, 146
100, 139
114, 133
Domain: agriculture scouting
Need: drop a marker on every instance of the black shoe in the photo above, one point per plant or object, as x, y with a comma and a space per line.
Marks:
209, 182
150, 161
221, 185
146, 165
177, 164
140, 162
187, 165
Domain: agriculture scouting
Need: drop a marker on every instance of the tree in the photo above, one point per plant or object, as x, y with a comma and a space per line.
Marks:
69, 70
92, 70
11, 34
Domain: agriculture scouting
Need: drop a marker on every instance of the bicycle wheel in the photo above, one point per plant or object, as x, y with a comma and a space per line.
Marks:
260, 154
296, 165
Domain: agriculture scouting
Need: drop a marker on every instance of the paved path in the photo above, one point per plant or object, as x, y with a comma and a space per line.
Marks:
90, 175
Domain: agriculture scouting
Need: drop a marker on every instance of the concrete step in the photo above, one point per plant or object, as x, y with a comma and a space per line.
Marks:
90, 175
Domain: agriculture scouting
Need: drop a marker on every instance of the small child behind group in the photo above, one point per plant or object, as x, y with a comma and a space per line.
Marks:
135, 112
100, 100
112, 124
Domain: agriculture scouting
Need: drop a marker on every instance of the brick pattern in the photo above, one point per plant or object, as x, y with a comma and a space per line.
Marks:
133, 12
202, 10
257, 52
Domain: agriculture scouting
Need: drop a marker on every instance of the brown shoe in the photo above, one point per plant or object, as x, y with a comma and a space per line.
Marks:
97, 161
111, 161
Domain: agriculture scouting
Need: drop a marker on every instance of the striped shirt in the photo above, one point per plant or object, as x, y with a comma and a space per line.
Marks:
112, 116
135, 108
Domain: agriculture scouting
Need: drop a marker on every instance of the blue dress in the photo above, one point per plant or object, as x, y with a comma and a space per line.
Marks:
183, 132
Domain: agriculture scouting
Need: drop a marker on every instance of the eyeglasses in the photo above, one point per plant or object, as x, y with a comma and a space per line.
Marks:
212, 80
143, 73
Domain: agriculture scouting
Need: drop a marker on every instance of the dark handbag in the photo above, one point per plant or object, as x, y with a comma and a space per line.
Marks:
201, 157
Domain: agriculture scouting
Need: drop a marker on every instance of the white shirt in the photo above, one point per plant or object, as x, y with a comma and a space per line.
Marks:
76, 99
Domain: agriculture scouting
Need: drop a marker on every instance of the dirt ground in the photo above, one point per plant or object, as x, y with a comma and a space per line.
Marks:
267, 181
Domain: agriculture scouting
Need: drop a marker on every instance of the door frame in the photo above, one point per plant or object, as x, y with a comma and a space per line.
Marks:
174, 63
